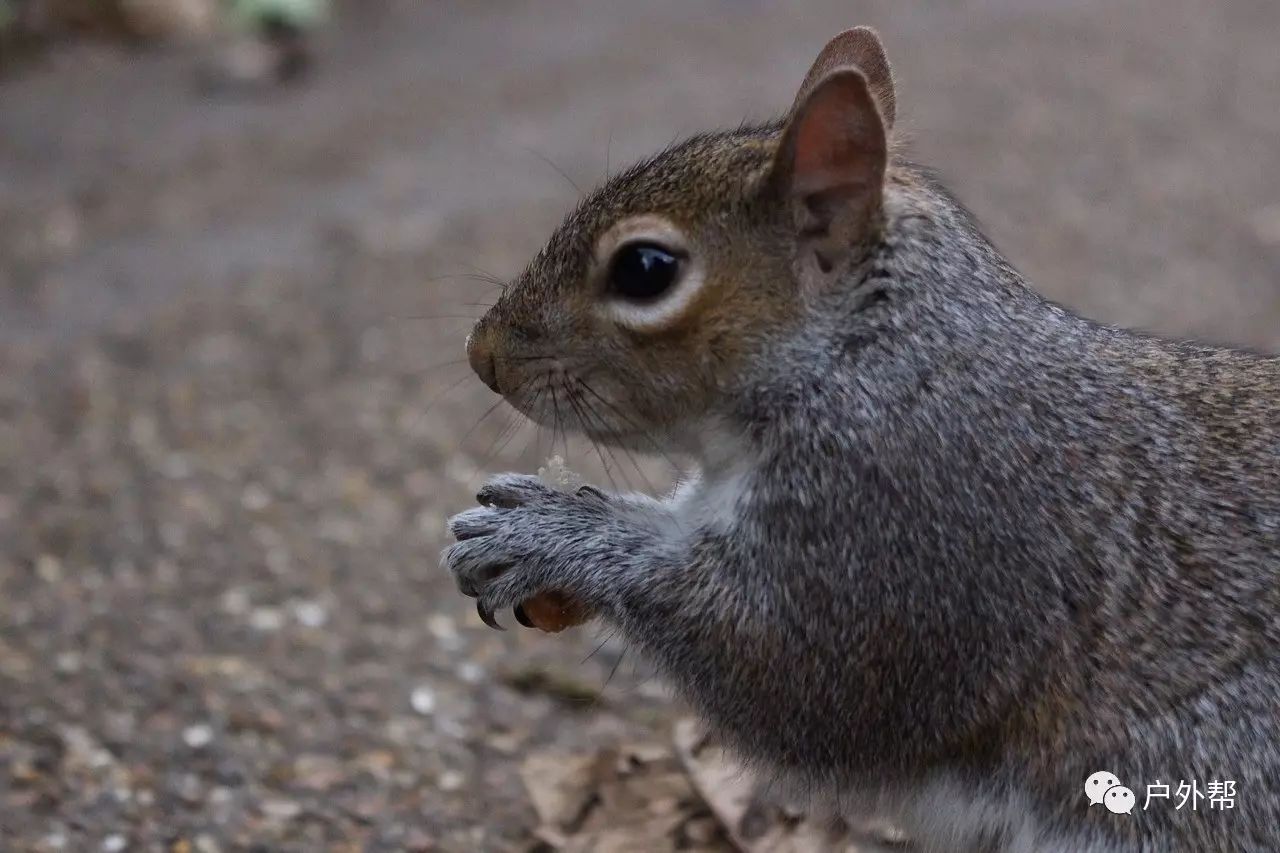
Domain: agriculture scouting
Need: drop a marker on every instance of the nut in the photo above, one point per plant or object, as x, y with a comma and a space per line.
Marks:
554, 611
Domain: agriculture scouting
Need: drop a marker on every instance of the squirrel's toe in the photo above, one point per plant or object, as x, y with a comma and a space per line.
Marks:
507, 491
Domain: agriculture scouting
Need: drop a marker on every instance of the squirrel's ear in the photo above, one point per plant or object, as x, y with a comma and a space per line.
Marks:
829, 170
860, 47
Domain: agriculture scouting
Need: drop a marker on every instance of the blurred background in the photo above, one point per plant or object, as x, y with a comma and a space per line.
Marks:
240, 247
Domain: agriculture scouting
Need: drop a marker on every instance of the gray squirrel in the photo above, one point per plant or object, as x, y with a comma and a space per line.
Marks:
949, 550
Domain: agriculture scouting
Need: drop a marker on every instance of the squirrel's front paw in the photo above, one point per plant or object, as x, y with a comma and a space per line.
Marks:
525, 539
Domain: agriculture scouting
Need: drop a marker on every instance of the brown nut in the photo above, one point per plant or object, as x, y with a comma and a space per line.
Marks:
554, 611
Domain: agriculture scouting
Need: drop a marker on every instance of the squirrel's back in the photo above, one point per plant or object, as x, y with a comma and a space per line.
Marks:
1100, 506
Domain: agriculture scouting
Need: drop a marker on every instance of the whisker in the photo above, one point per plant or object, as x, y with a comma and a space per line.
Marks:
541, 433
604, 428
602, 449
635, 428
621, 656
471, 318
564, 430
537, 426
486, 414
512, 423
612, 633
483, 277
437, 397
604, 463
501, 442
598, 699
617, 466
644, 478
443, 364
563, 420
483, 272
535, 437
574, 403
559, 171
555, 414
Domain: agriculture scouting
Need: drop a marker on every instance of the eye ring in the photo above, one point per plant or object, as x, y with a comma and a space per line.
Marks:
659, 301
643, 271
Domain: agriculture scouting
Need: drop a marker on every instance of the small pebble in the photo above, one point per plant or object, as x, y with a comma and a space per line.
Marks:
49, 568
67, 663
207, 844
471, 672
281, 809
198, 736
451, 780
236, 601
266, 619
442, 627
310, 614
422, 700
255, 498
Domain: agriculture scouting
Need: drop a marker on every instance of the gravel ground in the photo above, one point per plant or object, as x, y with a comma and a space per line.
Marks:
233, 415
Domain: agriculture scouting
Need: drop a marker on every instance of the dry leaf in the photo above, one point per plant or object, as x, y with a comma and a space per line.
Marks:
753, 824
633, 799
560, 786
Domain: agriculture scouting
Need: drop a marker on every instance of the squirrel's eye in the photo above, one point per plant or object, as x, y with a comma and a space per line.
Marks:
643, 271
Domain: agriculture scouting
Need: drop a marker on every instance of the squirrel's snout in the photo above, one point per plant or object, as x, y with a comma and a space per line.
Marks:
480, 354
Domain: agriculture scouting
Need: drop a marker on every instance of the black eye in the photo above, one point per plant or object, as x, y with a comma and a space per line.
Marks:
643, 271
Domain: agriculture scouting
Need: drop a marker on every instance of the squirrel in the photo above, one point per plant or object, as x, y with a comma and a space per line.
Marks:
947, 550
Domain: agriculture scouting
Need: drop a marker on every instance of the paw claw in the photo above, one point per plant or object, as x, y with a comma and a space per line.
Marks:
591, 492
486, 616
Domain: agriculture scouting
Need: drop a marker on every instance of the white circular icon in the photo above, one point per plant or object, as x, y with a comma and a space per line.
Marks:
1119, 800
1097, 785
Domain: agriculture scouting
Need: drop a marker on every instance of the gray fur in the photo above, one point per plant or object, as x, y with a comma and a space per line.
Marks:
953, 549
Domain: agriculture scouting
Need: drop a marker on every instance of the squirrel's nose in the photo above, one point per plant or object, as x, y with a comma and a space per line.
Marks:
480, 355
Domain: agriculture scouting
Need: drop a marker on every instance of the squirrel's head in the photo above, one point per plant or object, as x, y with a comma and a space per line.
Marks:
645, 306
